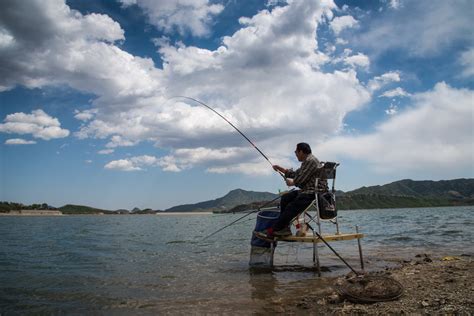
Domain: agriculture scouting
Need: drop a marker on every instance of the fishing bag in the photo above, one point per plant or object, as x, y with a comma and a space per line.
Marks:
327, 205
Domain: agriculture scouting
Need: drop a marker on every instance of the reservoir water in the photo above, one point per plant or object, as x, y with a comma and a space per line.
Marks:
148, 264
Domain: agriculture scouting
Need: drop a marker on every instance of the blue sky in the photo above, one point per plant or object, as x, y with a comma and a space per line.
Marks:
383, 87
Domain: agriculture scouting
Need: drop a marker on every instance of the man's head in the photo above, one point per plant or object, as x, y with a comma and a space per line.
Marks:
302, 151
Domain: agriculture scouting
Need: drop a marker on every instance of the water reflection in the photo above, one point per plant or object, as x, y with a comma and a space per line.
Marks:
263, 283
122, 263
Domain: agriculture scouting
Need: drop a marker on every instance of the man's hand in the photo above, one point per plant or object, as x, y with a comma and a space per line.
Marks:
280, 169
289, 182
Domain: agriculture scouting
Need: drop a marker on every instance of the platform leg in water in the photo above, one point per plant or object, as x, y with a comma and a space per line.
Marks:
360, 250
316, 255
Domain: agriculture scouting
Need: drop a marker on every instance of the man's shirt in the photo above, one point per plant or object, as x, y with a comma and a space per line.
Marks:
305, 177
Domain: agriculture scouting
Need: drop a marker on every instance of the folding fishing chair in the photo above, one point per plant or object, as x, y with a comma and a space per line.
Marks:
323, 207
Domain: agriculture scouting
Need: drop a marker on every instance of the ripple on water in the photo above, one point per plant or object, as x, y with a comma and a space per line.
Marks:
133, 264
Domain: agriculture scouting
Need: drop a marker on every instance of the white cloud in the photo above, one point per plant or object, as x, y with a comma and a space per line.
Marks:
19, 141
6, 39
397, 92
119, 141
185, 158
266, 78
271, 3
395, 4
193, 16
379, 82
360, 60
249, 168
135, 163
428, 27
340, 41
122, 165
86, 115
273, 51
434, 135
105, 151
57, 45
219, 159
348, 58
343, 22
467, 61
38, 124
392, 110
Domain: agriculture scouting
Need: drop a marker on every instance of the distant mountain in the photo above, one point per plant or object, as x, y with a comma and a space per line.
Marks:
445, 189
403, 193
230, 200
409, 193
81, 209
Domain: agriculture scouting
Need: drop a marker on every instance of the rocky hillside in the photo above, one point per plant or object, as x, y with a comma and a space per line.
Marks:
227, 202
444, 189
399, 194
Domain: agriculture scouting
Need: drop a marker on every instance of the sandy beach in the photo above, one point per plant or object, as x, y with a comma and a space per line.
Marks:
431, 285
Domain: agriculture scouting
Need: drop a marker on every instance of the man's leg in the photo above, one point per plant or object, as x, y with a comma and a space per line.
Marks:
292, 209
286, 199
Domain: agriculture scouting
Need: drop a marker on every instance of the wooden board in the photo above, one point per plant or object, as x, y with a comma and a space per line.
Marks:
326, 237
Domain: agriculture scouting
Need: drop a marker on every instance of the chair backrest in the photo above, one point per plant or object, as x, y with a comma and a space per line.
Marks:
326, 200
327, 170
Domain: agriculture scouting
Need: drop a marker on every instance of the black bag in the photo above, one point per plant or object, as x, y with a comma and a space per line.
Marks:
327, 205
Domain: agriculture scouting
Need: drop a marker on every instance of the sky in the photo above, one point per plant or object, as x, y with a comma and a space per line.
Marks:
89, 113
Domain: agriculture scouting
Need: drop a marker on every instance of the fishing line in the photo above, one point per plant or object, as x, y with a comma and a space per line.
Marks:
240, 218
230, 123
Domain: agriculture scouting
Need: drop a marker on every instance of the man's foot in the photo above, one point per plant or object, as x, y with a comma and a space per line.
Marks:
285, 232
266, 235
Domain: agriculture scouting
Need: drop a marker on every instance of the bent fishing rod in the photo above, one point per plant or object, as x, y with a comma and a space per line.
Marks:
230, 123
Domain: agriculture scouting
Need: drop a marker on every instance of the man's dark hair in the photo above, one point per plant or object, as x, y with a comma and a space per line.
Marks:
304, 147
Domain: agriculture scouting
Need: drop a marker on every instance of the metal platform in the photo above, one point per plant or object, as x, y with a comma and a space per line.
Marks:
313, 216
312, 237
316, 239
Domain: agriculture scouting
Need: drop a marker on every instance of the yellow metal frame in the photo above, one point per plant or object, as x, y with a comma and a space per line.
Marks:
316, 239
312, 215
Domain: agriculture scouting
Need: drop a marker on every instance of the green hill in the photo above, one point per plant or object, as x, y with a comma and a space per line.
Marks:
230, 200
370, 201
409, 193
81, 209
399, 194
446, 189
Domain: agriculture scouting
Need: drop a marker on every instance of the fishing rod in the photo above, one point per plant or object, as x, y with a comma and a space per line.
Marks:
333, 250
230, 123
238, 219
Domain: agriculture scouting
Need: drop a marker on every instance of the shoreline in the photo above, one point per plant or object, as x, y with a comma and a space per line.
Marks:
432, 285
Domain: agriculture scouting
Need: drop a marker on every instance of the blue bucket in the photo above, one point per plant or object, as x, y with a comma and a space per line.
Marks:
265, 219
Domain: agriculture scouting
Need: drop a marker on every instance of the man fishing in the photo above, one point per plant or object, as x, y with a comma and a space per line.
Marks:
294, 202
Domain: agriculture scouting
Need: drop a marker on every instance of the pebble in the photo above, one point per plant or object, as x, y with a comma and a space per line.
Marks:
334, 299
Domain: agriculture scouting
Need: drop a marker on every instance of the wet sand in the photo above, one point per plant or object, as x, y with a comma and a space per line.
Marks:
432, 285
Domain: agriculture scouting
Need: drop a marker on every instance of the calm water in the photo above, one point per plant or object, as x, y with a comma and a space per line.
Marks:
158, 264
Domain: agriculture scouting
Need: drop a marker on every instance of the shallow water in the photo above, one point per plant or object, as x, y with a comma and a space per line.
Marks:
159, 264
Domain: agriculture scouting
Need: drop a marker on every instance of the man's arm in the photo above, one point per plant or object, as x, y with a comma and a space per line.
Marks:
308, 167
279, 168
